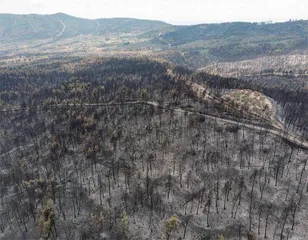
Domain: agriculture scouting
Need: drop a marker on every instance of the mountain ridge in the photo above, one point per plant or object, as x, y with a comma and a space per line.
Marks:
19, 28
177, 34
194, 46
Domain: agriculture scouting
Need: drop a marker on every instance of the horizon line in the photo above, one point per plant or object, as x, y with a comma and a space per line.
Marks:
175, 22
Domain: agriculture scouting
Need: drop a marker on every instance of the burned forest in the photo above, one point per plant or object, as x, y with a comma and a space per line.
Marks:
137, 148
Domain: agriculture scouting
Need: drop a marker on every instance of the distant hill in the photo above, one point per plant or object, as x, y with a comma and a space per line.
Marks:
239, 30
240, 40
193, 46
19, 28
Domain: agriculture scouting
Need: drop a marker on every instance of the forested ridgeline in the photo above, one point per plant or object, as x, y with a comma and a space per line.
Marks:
102, 81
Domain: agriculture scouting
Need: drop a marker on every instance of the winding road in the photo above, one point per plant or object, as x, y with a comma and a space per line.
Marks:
163, 40
276, 127
275, 130
97, 27
282, 132
63, 30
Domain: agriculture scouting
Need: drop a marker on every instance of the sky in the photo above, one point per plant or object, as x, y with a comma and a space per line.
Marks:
175, 11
